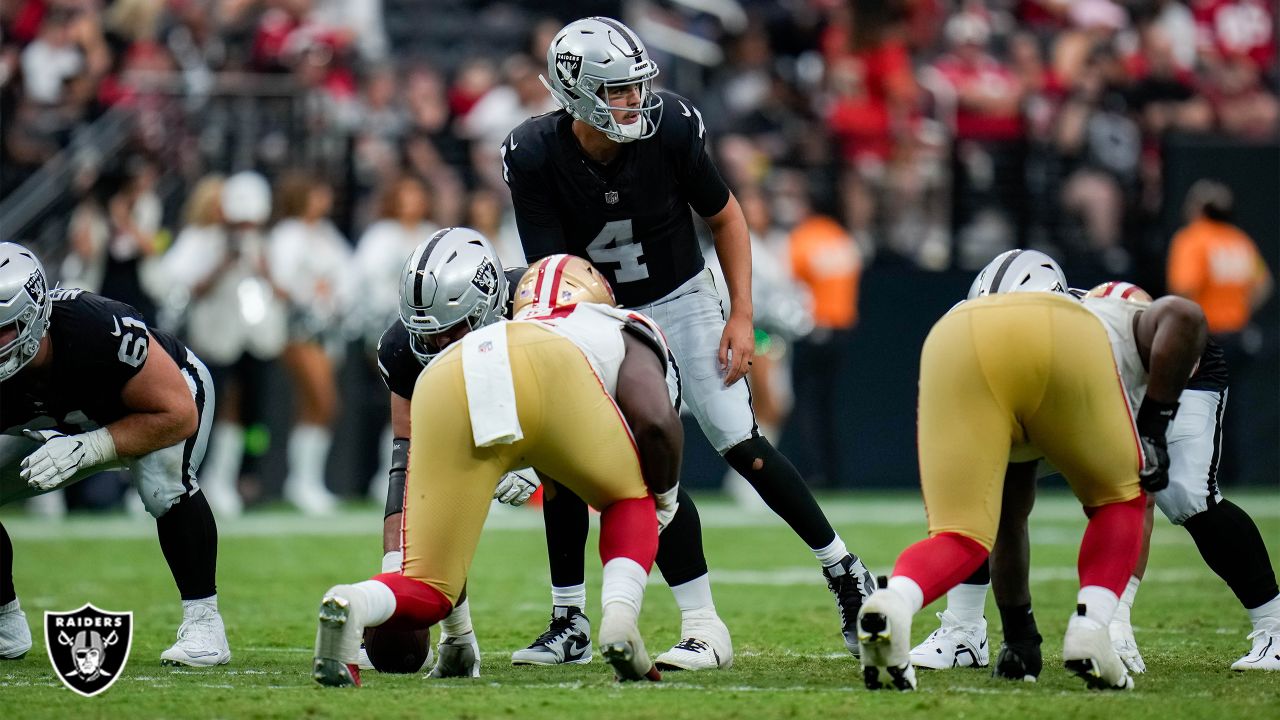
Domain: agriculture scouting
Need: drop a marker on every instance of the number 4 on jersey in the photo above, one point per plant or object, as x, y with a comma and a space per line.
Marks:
616, 244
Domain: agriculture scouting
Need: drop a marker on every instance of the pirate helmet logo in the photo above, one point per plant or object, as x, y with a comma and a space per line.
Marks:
88, 647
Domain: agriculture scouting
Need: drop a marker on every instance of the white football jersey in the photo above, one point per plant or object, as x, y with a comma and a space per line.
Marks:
1117, 317
597, 330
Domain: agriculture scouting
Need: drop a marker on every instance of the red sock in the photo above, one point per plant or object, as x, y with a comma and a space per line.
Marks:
418, 605
1111, 544
940, 563
629, 528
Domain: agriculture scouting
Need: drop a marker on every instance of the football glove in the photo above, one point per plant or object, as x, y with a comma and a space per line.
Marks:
61, 456
666, 504
516, 487
1153, 425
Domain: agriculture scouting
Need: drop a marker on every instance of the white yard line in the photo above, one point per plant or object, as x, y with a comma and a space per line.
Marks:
848, 513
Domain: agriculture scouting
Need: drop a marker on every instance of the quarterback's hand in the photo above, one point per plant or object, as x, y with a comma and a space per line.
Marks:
516, 487
60, 456
1123, 642
739, 336
666, 505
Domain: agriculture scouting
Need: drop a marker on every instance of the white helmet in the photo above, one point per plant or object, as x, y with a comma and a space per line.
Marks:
246, 198
25, 308
593, 54
1019, 271
455, 276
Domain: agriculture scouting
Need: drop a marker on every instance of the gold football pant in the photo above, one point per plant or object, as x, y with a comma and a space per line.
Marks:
573, 433
1019, 376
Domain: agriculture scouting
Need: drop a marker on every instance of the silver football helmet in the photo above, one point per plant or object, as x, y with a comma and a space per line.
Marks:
1019, 271
452, 278
25, 307
588, 57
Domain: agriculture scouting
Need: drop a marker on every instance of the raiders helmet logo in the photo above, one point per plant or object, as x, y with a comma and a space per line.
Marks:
88, 647
36, 288
486, 279
568, 68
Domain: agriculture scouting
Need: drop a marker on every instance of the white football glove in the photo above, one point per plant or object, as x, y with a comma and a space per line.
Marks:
516, 487
1126, 646
666, 505
61, 456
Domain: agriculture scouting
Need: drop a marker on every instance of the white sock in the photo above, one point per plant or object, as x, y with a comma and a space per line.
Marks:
624, 582
1270, 610
13, 606
1126, 600
968, 602
458, 621
694, 595
569, 596
392, 561
211, 602
831, 554
380, 602
909, 590
308, 452
1099, 603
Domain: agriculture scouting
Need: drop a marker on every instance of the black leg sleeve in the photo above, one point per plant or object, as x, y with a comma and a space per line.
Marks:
782, 489
7, 593
981, 576
189, 539
1231, 545
680, 555
566, 520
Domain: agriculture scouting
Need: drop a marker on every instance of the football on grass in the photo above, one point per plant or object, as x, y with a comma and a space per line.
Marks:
398, 651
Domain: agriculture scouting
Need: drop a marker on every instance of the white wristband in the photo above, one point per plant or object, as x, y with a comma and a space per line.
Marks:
99, 447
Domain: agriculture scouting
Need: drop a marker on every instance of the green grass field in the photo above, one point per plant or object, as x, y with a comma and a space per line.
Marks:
789, 662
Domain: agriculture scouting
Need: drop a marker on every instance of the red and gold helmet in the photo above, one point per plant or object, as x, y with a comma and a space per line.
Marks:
558, 281
1121, 291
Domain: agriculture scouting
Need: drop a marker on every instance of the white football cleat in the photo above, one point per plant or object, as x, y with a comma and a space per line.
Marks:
884, 634
1087, 653
202, 639
705, 645
311, 500
340, 627
567, 639
954, 644
15, 634
622, 646
457, 657
1265, 654
1126, 646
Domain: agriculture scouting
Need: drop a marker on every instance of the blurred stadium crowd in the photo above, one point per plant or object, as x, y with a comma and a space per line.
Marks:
930, 134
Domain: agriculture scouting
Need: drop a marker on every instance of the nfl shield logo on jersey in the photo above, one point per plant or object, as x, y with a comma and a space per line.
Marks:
611, 197
88, 647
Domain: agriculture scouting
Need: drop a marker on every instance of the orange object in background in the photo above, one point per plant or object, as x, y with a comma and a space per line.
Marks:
825, 258
1217, 265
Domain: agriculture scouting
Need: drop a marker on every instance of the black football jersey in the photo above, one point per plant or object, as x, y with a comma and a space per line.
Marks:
631, 217
98, 346
398, 365
1211, 374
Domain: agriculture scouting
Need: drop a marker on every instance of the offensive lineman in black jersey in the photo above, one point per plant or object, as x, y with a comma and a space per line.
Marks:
86, 386
449, 280
615, 177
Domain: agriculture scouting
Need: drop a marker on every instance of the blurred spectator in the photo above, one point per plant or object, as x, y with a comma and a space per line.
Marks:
487, 214
88, 232
310, 264
500, 110
361, 19
431, 149
1229, 30
1101, 146
376, 138
234, 321
1214, 263
404, 212
134, 212
825, 259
